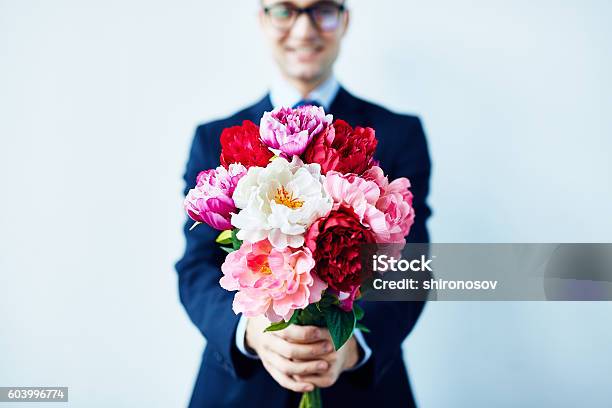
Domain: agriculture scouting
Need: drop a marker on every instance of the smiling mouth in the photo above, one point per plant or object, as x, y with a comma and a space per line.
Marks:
304, 53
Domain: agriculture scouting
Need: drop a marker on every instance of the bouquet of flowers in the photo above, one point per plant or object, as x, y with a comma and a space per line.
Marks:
296, 198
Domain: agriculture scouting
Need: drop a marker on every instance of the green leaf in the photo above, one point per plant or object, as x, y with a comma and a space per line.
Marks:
312, 316
224, 238
358, 311
283, 324
277, 326
229, 250
361, 327
294, 317
236, 243
340, 324
327, 300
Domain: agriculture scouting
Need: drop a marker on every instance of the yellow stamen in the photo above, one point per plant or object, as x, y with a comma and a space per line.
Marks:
285, 198
265, 269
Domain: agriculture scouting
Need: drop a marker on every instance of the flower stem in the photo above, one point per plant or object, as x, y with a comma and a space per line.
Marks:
311, 399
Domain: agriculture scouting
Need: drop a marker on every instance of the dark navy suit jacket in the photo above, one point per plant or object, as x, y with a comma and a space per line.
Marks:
226, 377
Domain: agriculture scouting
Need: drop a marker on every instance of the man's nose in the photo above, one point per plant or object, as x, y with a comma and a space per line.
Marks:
304, 27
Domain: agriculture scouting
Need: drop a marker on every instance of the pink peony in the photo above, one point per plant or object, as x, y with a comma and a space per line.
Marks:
395, 202
211, 200
291, 130
271, 281
359, 195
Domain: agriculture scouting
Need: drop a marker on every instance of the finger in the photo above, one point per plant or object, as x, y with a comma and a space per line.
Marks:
286, 381
297, 351
302, 334
297, 367
322, 381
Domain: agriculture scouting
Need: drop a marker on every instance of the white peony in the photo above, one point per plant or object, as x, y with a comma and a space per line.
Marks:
280, 202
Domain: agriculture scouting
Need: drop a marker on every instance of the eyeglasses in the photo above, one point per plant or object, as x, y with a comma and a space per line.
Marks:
325, 15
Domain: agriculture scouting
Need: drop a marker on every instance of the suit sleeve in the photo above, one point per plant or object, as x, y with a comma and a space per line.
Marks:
391, 322
208, 305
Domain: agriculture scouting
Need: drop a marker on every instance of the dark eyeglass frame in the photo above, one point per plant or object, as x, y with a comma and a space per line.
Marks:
310, 10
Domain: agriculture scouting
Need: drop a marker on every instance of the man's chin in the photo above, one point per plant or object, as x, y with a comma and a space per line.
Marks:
306, 75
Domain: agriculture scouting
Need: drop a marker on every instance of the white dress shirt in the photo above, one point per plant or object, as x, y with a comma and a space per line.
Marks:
282, 94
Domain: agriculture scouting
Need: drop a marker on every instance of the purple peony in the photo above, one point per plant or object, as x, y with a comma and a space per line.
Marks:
211, 200
289, 131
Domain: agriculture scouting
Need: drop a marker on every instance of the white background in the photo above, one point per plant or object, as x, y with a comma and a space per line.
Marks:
98, 103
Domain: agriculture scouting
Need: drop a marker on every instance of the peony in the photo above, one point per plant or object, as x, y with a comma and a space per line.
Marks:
290, 130
346, 299
271, 281
211, 200
241, 144
360, 196
336, 242
280, 202
343, 149
395, 202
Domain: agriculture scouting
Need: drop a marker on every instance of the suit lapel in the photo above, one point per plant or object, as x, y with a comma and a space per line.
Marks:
256, 111
346, 107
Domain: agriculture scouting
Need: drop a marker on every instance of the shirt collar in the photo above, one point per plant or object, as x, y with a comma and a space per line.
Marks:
283, 94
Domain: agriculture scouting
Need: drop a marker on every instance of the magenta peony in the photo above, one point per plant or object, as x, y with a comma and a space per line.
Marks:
348, 298
271, 281
211, 200
289, 131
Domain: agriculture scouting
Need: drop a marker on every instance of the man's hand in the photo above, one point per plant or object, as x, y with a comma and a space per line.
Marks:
303, 351
339, 361
300, 357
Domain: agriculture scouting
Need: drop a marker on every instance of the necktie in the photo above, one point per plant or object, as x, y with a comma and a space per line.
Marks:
305, 102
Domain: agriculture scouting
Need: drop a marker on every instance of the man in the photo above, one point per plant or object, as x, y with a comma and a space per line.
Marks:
242, 365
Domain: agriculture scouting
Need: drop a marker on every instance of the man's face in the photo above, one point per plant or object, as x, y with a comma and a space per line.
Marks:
305, 50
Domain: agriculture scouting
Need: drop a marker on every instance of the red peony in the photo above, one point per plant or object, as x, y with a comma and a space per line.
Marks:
335, 242
241, 144
343, 149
